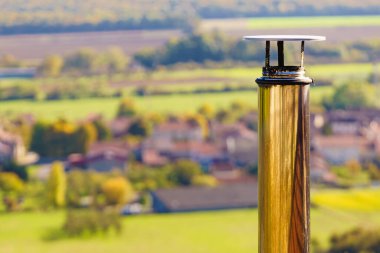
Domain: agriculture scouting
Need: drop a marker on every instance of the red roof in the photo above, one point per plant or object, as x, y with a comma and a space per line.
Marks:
343, 141
204, 148
233, 130
109, 150
152, 158
176, 126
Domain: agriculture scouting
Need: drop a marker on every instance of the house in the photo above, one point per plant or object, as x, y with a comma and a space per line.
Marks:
204, 153
226, 173
12, 149
372, 133
176, 130
320, 169
351, 122
188, 199
338, 149
239, 142
151, 157
102, 157
119, 126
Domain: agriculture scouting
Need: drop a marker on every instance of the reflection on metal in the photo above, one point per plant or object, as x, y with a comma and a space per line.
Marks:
283, 168
284, 195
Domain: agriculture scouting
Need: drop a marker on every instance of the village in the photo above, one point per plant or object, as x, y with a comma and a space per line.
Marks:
346, 140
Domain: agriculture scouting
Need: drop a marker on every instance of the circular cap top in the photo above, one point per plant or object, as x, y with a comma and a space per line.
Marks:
285, 38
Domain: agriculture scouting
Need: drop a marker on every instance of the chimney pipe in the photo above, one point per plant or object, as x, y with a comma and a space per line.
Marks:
284, 193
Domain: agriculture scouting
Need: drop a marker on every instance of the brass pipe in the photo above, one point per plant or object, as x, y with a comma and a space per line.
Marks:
283, 166
284, 190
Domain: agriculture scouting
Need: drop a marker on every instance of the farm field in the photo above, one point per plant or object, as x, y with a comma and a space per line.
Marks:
63, 43
181, 80
188, 79
362, 200
335, 28
203, 232
76, 109
248, 74
292, 22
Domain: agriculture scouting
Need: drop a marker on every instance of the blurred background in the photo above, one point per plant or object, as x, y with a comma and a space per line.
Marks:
132, 125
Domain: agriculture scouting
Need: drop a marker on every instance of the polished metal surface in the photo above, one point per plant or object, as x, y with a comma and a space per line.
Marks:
287, 75
283, 168
284, 191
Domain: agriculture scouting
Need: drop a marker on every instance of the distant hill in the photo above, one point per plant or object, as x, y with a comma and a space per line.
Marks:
42, 16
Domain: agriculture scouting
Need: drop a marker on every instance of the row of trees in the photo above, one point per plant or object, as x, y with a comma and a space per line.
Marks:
351, 95
218, 47
60, 89
79, 188
85, 62
199, 48
37, 16
62, 189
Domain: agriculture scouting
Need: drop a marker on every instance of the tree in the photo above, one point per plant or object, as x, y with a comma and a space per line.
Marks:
13, 167
374, 171
242, 51
356, 241
82, 185
239, 105
207, 110
117, 191
184, 171
9, 61
199, 120
103, 132
56, 186
62, 138
351, 96
226, 116
194, 48
140, 127
116, 60
127, 108
84, 60
52, 66
84, 137
12, 187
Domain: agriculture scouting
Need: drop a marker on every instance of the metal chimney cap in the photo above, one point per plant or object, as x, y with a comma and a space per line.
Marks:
285, 38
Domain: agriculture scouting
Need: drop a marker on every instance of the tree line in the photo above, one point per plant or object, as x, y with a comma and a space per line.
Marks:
217, 47
43, 16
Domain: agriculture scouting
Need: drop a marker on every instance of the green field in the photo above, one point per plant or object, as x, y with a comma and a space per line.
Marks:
331, 71
309, 22
190, 79
348, 200
204, 232
76, 109
200, 232
293, 22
